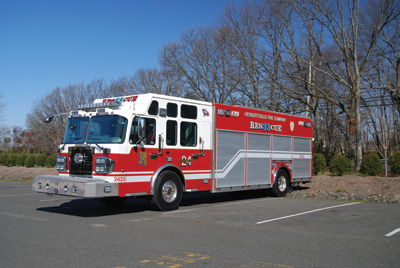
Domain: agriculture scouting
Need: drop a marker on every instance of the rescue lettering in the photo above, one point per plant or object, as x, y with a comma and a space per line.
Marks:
122, 99
265, 126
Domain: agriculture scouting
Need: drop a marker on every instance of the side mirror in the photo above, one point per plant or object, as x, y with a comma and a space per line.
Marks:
141, 128
48, 119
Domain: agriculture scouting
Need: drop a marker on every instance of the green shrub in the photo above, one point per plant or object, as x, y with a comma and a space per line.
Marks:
51, 160
41, 160
4, 159
30, 160
319, 163
21, 160
395, 163
12, 160
339, 165
371, 164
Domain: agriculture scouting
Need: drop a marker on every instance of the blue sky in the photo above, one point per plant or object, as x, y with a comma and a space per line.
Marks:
50, 43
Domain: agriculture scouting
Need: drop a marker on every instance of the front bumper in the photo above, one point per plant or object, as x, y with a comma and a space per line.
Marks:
74, 186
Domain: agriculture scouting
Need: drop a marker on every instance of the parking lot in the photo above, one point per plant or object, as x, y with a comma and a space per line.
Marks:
247, 229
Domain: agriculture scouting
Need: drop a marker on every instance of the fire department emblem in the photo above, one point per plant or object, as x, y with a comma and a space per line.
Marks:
205, 113
291, 126
142, 158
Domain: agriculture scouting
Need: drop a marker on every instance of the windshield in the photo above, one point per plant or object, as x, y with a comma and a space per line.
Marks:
102, 129
76, 130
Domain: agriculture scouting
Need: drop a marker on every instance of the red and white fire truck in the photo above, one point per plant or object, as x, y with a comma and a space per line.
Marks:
161, 146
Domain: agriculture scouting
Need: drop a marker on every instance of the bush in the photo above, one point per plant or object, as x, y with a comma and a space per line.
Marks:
340, 165
371, 164
21, 160
51, 160
4, 159
12, 160
41, 160
30, 160
395, 163
319, 163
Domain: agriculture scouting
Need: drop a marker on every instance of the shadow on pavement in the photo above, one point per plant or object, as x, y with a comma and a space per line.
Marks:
93, 207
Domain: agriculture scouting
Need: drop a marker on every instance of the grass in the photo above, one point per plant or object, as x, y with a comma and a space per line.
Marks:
340, 190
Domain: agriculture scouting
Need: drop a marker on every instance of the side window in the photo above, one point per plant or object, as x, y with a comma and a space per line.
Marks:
153, 109
150, 124
172, 131
188, 111
172, 109
188, 134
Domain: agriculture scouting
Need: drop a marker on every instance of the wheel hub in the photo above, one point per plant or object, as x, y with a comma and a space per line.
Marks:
282, 183
169, 191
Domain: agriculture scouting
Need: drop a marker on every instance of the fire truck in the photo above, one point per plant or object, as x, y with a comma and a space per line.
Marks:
161, 146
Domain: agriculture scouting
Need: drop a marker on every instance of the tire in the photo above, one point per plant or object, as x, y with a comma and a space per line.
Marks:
167, 191
113, 201
281, 184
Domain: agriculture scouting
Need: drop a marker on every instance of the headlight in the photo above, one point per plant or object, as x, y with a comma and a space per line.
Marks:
104, 165
61, 163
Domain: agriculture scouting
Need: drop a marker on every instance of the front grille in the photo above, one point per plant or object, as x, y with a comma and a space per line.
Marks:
80, 160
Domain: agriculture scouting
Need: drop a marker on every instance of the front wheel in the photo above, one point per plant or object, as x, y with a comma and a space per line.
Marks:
281, 184
167, 191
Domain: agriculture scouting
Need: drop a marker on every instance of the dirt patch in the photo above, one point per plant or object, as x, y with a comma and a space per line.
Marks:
24, 172
354, 184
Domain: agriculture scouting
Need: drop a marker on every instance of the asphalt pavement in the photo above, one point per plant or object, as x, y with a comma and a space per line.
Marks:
245, 229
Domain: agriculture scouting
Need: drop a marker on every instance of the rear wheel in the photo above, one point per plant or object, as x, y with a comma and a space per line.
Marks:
281, 184
167, 191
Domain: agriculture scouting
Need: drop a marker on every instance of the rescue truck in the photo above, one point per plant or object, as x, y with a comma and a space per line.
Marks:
161, 146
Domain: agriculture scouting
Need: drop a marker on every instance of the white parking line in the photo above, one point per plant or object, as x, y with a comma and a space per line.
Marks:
303, 213
392, 233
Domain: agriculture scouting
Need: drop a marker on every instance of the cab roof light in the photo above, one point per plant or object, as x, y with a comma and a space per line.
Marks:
104, 111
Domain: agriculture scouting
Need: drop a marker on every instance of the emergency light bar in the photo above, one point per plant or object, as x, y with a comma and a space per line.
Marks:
98, 105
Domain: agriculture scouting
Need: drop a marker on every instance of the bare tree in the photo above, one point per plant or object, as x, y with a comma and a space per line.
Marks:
201, 61
156, 81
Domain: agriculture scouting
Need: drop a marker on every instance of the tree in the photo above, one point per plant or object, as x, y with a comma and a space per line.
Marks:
201, 62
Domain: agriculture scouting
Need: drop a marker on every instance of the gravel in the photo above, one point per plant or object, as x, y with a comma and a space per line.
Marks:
351, 188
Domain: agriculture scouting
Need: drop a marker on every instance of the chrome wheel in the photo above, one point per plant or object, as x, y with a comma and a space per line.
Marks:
282, 183
169, 191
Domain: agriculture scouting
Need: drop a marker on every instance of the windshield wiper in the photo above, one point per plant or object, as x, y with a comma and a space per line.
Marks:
101, 148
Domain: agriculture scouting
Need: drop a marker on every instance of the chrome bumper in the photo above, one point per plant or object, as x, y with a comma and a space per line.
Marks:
74, 186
